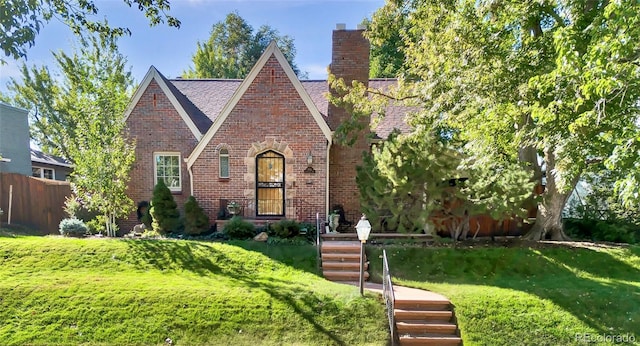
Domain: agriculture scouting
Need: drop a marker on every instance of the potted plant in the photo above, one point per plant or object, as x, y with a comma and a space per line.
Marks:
233, 208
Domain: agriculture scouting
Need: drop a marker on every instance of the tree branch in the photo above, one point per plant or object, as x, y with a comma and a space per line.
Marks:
391, 97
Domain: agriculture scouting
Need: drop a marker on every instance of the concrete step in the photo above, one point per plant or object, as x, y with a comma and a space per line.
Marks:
338, 275
422, 315
424, 327
341, 257
338, 265
420, 304
341, 246
430, 340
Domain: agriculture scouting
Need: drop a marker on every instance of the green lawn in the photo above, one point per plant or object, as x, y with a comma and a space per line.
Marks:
540, 295
141, 292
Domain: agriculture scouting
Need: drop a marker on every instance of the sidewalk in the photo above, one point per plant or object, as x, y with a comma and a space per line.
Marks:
403, 293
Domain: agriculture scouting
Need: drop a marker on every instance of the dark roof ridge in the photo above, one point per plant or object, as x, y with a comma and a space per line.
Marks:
198, 117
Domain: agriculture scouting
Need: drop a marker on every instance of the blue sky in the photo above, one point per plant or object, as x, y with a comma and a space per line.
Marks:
309, 22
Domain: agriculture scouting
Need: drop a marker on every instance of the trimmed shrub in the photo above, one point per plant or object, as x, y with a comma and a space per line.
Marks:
143, 214
286, 228
164, 210
196, 221
73, 227
238, 228
601, 230
150, 234
97, 225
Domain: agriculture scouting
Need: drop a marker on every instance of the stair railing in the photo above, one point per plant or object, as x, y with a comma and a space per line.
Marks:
389, 297
318, 240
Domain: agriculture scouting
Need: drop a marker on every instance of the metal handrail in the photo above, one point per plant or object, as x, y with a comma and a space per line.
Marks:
389, 296
318, 240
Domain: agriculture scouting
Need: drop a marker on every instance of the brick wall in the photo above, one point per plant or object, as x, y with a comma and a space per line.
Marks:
156, 126
350, 61
269, 116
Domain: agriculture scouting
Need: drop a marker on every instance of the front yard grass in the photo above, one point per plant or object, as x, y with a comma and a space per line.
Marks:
142, 292
528, 295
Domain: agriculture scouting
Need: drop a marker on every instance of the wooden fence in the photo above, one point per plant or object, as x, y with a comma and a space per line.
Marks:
35, 203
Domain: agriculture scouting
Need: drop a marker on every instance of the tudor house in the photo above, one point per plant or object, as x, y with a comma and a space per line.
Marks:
265, 142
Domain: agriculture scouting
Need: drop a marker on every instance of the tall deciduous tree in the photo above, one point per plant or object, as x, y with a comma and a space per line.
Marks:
22, 20
552, 80
79, 116
233, 48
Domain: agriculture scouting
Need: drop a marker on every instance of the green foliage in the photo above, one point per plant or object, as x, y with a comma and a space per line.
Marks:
233, 48
517, 80
72, 227
97, 225
210, 292
79, 116
413, 180
164, 210
150, 234
238, 228
285, 228
385, 31
529, 292
147, 219
22, 20
601, 230
298, 240
195, 220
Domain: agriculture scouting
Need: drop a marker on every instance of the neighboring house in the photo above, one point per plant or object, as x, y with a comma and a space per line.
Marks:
14, 140
265, 142
49, 167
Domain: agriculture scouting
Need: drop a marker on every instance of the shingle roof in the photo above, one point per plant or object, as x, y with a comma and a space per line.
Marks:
40, 157
204, 99
209, 95
197, 115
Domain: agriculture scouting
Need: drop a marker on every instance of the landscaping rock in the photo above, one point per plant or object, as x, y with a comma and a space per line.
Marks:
261, 237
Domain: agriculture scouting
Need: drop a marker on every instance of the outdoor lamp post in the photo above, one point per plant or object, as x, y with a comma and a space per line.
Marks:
363, 228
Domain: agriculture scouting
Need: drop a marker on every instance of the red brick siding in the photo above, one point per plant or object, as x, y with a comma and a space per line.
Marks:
270, 111
350, 61
156, 126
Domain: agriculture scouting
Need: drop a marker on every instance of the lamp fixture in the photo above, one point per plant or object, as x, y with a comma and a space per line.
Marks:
309, 168
309, 159
364, 229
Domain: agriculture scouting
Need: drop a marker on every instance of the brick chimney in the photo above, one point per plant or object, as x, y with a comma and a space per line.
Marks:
350, 61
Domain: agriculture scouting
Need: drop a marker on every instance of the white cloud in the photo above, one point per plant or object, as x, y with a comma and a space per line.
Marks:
10, 70
315, 71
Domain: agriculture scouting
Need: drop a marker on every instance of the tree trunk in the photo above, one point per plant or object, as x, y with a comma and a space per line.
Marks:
549, 215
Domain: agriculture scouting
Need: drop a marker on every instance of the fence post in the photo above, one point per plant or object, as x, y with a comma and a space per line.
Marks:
10, 200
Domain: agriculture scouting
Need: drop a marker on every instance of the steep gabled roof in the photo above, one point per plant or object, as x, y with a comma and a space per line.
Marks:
272, 50
209, 95
193, 117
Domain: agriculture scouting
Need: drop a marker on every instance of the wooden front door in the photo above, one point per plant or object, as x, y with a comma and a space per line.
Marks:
270, 184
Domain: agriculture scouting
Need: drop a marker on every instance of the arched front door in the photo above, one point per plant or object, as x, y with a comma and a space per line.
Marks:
270, 184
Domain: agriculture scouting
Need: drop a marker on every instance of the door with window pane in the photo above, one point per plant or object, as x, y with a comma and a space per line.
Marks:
270, 184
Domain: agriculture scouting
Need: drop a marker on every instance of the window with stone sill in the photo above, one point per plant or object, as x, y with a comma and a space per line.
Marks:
167, 167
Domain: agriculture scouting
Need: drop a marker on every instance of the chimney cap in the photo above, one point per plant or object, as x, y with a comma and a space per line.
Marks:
341, 26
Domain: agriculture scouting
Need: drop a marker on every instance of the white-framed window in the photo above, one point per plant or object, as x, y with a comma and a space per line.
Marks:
223, 157
167, 167
41, 172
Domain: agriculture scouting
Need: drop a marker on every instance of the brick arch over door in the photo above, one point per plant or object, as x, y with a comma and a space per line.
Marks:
282, 148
